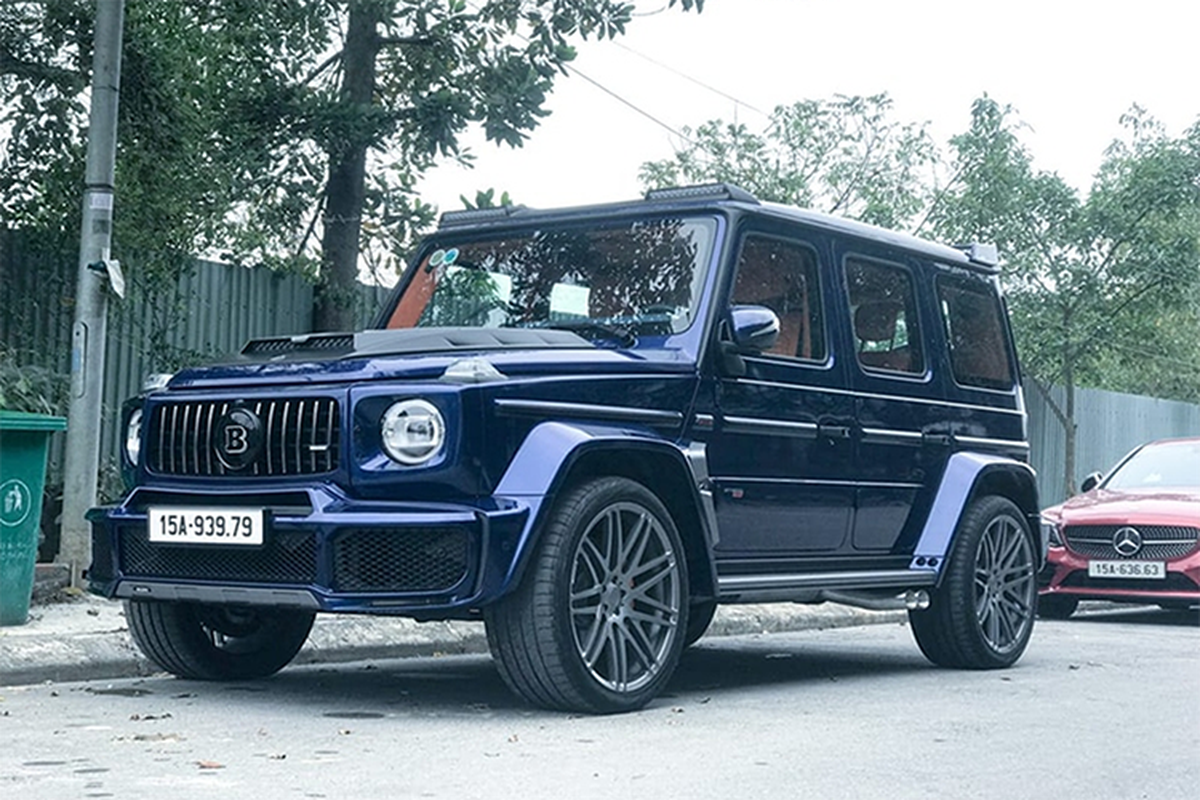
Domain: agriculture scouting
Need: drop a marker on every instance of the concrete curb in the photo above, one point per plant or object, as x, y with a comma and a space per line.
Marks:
28, 657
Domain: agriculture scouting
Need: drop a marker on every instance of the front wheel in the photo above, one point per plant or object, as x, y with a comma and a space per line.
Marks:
214, 643
598, 623
982, 615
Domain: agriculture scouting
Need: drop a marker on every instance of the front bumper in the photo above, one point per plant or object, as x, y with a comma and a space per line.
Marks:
1066, 574
322, 551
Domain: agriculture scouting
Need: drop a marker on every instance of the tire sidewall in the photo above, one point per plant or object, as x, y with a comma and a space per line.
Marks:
587, 503
976, 521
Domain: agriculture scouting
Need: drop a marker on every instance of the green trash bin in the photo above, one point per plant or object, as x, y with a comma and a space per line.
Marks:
24, 439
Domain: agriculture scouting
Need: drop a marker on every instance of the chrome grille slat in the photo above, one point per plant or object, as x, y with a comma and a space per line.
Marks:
270, 437
185, 442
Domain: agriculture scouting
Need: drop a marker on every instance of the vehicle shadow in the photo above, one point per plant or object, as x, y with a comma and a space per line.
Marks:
470, 685
1109, 614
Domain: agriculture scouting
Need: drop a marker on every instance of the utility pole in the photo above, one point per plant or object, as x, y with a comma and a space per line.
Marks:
96, 269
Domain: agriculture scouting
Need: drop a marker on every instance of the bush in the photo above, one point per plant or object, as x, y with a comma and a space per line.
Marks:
31, 388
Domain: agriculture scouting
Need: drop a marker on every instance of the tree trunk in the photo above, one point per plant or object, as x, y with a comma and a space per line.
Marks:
1069, 455
337, 287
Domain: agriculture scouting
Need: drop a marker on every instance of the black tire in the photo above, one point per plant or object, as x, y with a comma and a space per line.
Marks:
1057, 606
598, 622
1177, 605
217, 643
982, 615
700, 616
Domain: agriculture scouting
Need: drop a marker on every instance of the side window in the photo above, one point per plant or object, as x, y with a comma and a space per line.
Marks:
884, 312
975, 331
782, 276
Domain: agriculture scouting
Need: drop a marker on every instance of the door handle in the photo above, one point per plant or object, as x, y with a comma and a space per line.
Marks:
937, 439
833, 431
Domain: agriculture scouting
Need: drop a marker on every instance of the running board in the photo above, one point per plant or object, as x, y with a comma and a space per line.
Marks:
813, 587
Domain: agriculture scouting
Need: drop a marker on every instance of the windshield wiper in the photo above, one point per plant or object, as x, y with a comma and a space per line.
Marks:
623, 336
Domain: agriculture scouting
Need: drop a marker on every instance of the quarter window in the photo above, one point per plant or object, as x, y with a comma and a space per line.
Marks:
975, 333
782, 276
884, 312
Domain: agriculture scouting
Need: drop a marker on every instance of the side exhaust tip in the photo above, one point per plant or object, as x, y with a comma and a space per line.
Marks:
916, 599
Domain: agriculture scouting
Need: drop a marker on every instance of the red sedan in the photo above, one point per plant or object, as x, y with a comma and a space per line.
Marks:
1131, 536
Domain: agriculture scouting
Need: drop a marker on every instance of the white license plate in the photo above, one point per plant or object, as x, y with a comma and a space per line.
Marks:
1150, 570
202, 525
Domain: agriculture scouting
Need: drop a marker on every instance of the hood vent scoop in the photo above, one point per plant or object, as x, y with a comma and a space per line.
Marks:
306, 343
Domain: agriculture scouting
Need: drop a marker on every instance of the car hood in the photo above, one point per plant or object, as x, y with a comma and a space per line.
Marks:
1109, 507
421, 354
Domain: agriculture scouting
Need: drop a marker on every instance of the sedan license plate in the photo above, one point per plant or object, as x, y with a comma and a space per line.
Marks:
203, 525
1149, 570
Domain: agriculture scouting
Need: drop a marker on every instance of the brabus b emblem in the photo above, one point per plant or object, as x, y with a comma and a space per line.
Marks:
237, 438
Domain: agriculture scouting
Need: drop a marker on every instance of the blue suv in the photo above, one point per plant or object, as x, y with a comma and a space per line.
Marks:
588, 428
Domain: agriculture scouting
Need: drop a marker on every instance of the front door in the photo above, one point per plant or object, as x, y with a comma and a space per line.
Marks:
781, 449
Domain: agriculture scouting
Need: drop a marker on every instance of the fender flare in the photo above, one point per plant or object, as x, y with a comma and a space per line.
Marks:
544, 460
964, 473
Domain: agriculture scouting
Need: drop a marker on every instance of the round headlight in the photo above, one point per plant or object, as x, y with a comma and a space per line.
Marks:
413, 431
133, 437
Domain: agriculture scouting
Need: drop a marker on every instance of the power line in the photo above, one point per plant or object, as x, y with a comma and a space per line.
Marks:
629, 104
691, 79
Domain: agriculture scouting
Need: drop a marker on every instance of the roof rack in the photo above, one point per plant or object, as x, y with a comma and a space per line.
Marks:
469, 216
703, 191
985, 255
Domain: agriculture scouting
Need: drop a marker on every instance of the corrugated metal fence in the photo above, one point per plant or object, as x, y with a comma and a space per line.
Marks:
214, 308
210, 311
1108, 425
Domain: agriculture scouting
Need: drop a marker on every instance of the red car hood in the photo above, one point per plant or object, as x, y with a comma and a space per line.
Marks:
1107, 507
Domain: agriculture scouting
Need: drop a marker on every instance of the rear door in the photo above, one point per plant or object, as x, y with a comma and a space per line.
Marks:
900, 410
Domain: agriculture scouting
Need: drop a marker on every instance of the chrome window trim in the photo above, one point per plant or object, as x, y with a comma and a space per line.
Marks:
618, 413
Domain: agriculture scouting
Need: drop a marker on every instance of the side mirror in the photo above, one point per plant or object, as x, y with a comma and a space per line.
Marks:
1090, 482
753, 328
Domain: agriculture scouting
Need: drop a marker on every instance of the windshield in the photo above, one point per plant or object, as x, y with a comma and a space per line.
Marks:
612, 282
1170, 465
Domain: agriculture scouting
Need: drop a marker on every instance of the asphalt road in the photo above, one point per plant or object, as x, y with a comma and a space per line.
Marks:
1102, 706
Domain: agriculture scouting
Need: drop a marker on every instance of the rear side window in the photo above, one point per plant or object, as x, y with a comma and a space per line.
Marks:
974, 323
884, 312
782, 276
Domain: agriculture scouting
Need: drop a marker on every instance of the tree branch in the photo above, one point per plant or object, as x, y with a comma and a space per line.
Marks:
400, 41
11, 65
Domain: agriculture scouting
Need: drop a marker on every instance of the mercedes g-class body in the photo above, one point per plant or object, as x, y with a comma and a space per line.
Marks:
588, 428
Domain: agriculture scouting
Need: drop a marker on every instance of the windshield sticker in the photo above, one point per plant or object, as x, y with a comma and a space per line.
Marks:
441, 258
569, 301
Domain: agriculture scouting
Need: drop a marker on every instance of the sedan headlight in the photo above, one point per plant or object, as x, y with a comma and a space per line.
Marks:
133, 436
413, 432
1050, 532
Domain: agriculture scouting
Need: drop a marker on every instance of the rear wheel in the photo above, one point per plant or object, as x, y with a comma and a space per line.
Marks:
981, 616
214, 643
598, 623
1056, 606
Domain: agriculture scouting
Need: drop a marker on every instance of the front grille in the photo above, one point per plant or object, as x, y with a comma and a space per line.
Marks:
297, 436
400, 559
1159, 542
287, 557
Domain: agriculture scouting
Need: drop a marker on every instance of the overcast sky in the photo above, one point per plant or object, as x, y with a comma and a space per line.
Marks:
1070, 68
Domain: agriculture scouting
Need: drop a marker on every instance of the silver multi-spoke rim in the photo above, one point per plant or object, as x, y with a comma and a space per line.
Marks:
1004, 584
625, 597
